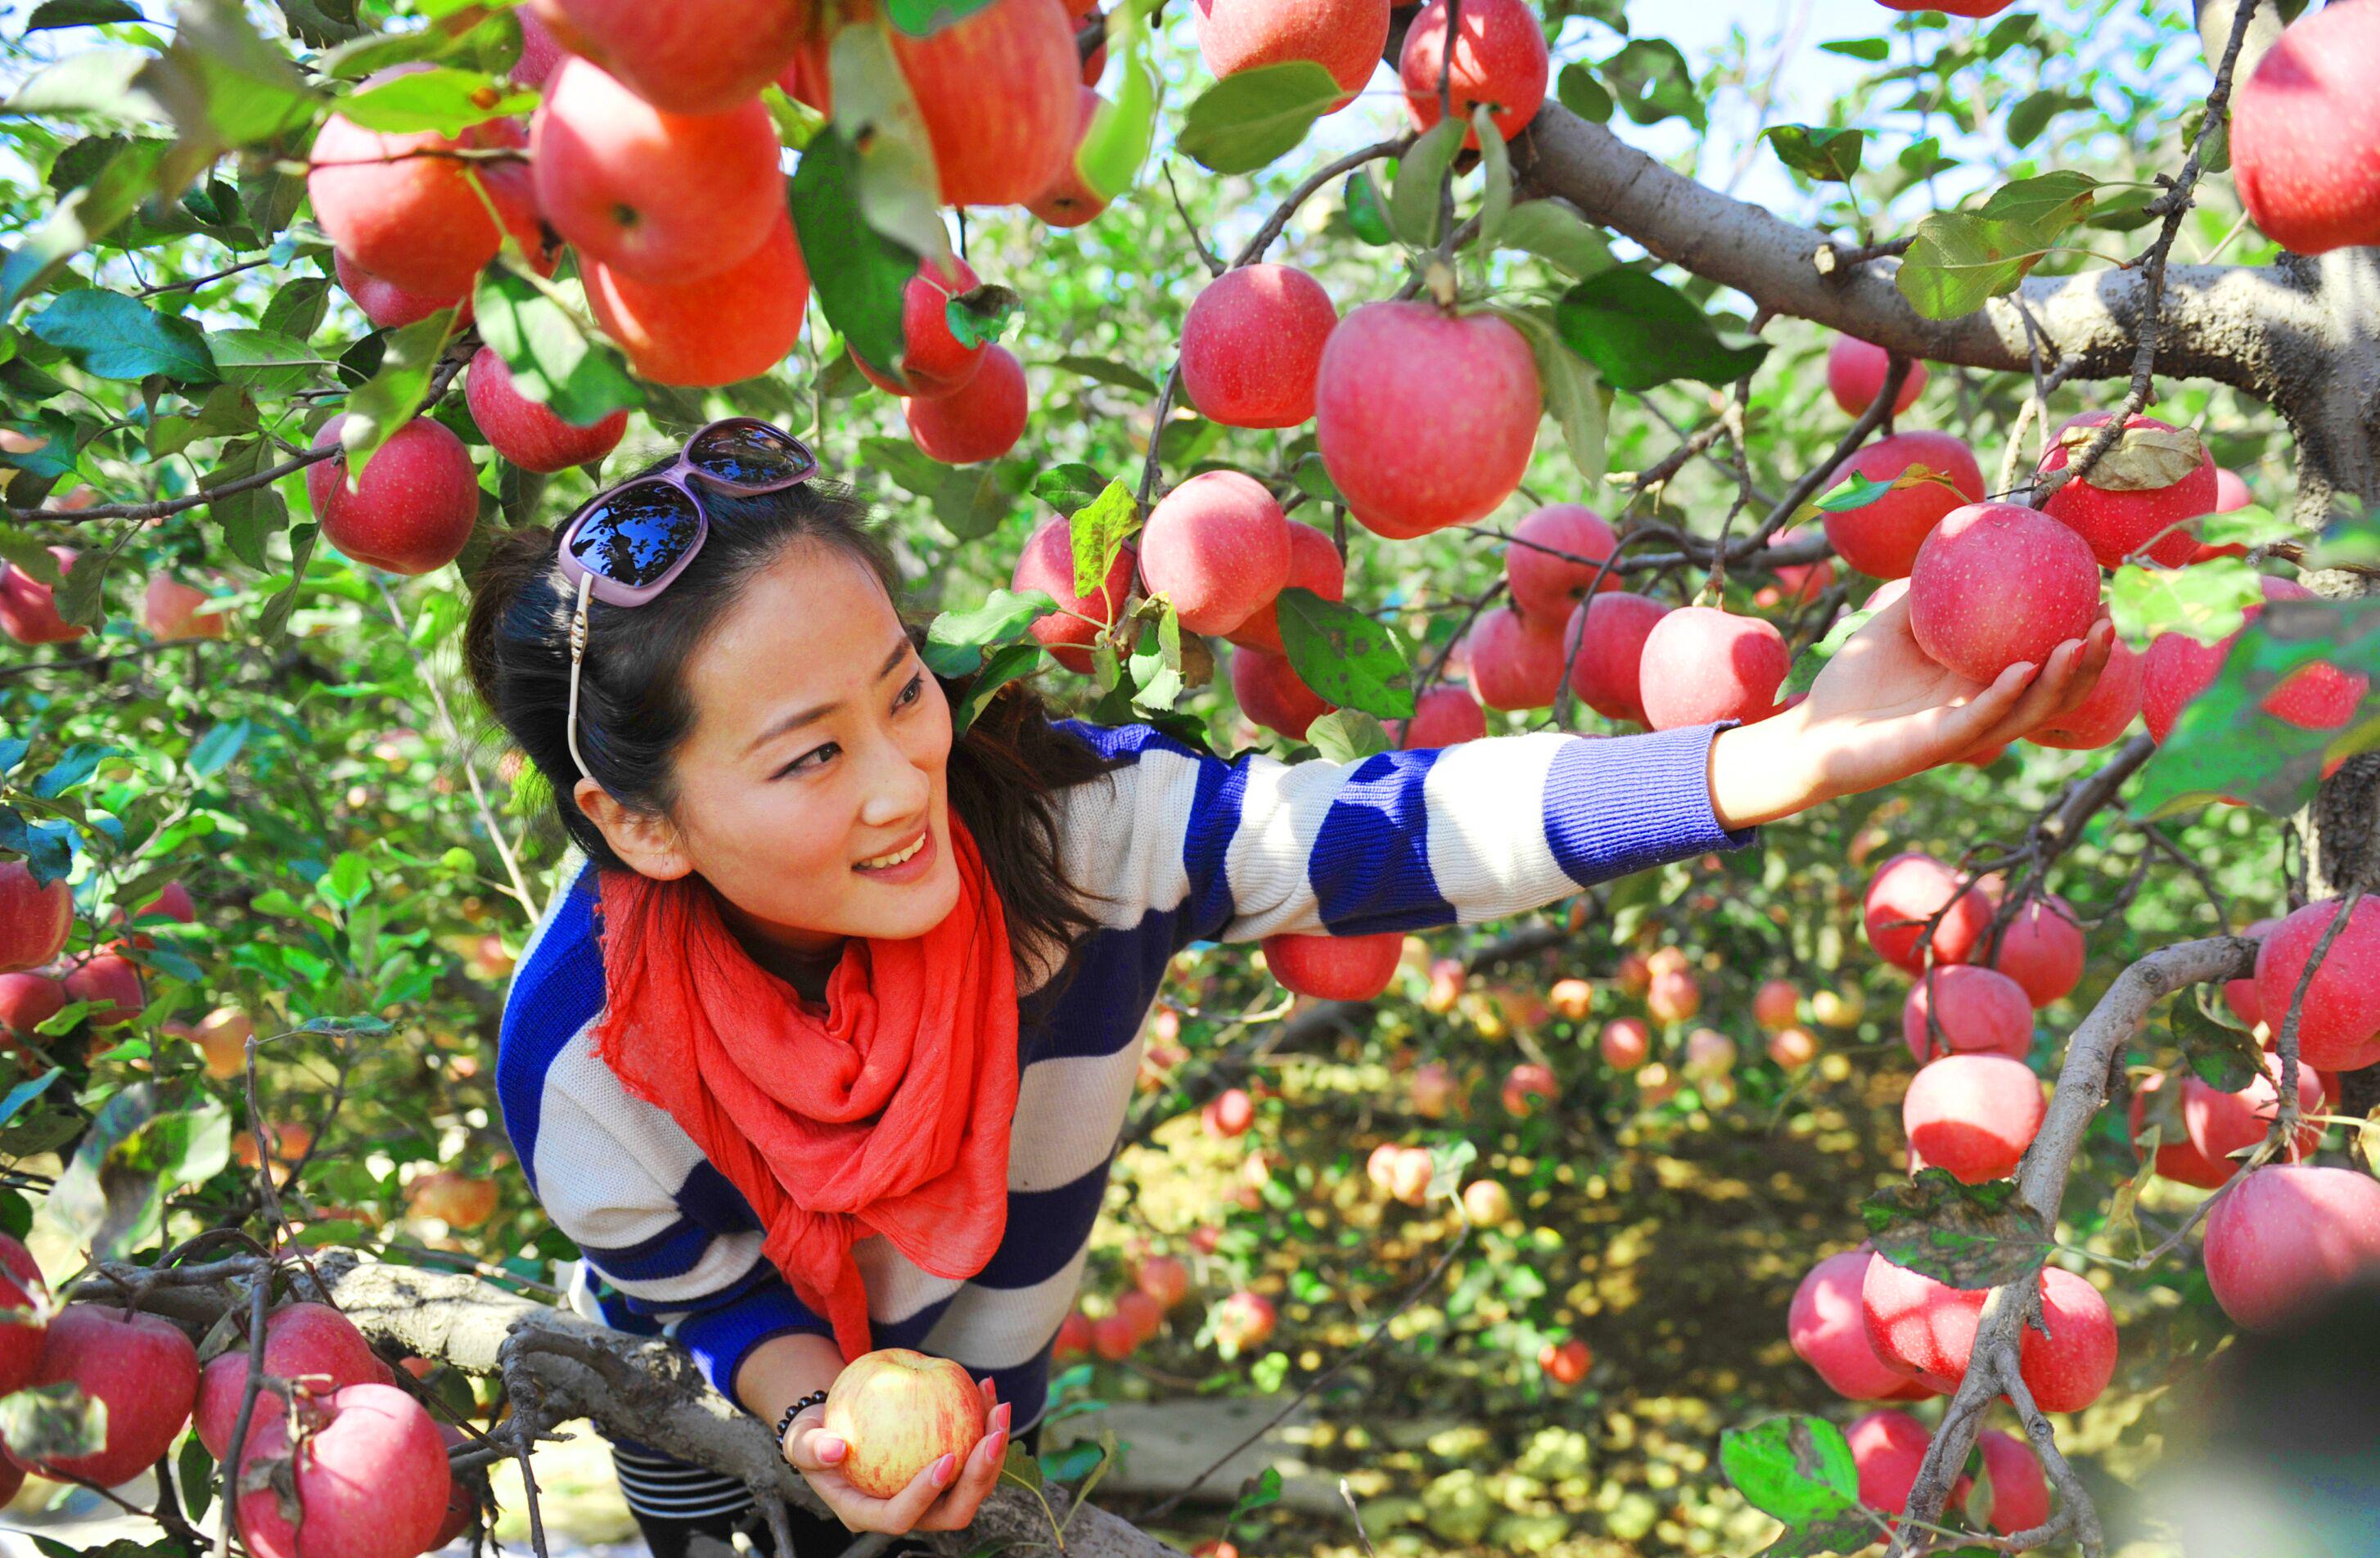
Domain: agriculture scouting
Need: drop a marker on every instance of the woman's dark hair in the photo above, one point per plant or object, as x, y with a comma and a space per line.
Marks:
634, 711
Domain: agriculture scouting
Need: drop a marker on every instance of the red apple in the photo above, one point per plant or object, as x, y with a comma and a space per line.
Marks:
1443, 716
1335, 967
2178, 668
34, 919
2339, 1027
140, 1367
1800, 583
1856, 371
1115, 1337
1516, 663
900, 1411
1702, 665
2287, 1238
1995, 584
313, 1345
1565, 1363
1243, 1320
735, 325
2239, 995
2116, 521
1624, 1043
112, 982
1887, 1449
25, 1311
1501, 59
980, 420
1912, 889
1608, 670
28, 1000
1828, 1328
1777, 1006
2041, 948
1229, 1113
999, 93
1792, 1049
1973, 1115
1547, 585
1073, 1339
2107, 713
1927, 1329
1070, 202
1525, 1085
413, 507
1271, 693
2020, 1488
389, 306
1426, 418
1163, 1278
527, 432
1344, 37
1977, 1009
1881, 539
1218, 547
690, 56
1047, 563
2223, 1123
412, 218
1252, 345
1313, 565
371, 1479
2299, 127
933, 360
1674, 995
1487, 1202
29, 608
172, 609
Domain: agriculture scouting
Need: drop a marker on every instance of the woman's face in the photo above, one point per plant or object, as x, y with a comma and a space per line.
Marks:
811, 793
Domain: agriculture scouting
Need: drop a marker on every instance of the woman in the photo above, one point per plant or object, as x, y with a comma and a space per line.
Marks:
827, 1044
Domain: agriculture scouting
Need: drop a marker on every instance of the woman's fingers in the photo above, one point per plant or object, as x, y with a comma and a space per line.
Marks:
956, 1509
810, 1447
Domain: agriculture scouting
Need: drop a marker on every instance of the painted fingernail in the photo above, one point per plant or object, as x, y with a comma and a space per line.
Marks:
945, 1469
830, 1449
999, 1442
1003, 1415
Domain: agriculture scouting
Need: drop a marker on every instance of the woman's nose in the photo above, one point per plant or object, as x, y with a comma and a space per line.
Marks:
897, 793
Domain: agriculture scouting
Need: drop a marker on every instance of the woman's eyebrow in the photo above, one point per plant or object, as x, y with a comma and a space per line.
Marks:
795, 720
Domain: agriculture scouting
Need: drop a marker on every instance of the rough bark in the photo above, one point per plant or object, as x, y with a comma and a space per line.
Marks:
643, 1389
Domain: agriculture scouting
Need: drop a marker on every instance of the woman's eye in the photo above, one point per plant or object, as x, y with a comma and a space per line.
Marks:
911, 693
805, 762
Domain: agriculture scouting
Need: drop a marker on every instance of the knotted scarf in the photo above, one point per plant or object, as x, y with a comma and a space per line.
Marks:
888, 1112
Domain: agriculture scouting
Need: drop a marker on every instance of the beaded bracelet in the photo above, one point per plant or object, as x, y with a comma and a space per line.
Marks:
795, 1410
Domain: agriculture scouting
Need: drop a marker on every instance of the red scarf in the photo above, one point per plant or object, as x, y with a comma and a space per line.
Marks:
888, 1113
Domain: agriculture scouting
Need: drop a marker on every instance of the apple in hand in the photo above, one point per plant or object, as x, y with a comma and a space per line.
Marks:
900, 1412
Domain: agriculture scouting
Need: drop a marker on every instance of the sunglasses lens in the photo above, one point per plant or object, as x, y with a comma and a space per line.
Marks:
636, 535
751, 454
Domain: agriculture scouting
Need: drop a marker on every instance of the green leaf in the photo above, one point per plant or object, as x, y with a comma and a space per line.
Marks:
1448, 1162
895, 181
1829, 156
979, 317
1959, 262
1107, 370
111, 1197
1414, 203
1098, 533
858, 273
1578, 90
112, 337
44, 1422
98, 83
1967, 1235
1245, 121
923, 18
213, 753
1347, 735
1117, 141
554, 359
1350, 660
2205, 601
1005, 664
2255, 526
1156, 662
224, 85
2051, 203
265, 361
1638, 332
441, 98
25, 1092
2033, 112
391, 397
1496, 178
1796, 1469
2220, 1056
297, 309
955, 642
1556, 233
80, 13
1367, 214
1069, 487
1651, 81
1875, 50
195, 1470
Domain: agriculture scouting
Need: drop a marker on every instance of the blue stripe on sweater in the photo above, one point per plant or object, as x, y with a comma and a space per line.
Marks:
557, 992
674, 1251
1369, 867
1598, 795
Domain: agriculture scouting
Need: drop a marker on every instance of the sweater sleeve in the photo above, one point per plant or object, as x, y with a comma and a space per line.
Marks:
1398, 841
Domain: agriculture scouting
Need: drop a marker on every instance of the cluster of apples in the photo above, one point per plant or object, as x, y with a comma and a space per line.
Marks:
1161, 1284
368, 1464
171, 608
36, 983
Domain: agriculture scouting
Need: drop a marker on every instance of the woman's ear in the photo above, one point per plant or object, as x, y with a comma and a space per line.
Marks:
646, 841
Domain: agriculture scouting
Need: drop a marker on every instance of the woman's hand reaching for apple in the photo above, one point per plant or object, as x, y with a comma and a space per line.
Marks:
1883, 710
942, 1497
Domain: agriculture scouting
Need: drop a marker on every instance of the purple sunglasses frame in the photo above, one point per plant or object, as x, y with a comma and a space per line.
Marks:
682, 474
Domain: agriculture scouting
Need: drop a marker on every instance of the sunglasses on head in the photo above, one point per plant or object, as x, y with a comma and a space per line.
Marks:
630, 541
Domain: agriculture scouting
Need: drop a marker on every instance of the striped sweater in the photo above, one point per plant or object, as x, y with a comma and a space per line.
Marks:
1179, 847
